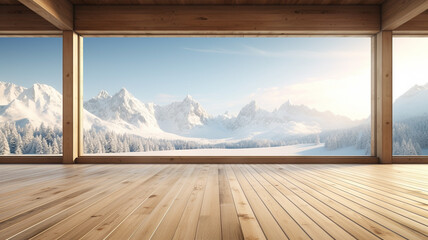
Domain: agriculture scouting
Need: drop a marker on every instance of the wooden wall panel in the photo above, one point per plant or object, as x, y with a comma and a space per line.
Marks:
384, 96
16, 19
227, 19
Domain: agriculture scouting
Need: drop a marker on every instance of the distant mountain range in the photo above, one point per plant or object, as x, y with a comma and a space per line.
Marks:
124, 113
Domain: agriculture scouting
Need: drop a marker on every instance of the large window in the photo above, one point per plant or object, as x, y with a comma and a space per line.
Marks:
30, 96
227, 96
410, 112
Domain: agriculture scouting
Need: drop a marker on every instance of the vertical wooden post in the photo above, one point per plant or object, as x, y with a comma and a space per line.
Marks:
80, 92
71, 92
373, 113
384, 96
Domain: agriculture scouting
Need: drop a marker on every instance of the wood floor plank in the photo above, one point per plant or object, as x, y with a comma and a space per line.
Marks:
349, 209
29, 199
386, 200
399, 215
291, 228
132, 222
108, 224
88, 194
209, 224
188, 224
391, 191
214, 201
373, 214
175, 196
169, 224
80, 223
270, 226
231, 229
251, 228
328, 210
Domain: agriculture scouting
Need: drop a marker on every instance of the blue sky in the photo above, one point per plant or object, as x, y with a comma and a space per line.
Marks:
25, 61
220, 73
227, 73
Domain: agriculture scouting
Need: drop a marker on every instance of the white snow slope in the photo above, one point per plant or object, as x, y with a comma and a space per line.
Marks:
413, 103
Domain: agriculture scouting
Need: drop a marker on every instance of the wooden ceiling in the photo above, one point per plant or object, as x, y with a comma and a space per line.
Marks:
216, 2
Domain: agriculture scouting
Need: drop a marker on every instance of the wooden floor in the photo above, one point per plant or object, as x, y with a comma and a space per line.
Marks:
214, 202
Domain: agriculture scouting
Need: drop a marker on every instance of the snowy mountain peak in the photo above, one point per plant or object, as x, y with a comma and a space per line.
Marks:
123, 109
124, 93
8, 92
103, 95
188, 98
415, 90
41, 94
412, 103
38, 104
179, 116
249, 109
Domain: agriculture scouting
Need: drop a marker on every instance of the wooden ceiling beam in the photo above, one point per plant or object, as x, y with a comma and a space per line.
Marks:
19, 20
58, 12
220, 20
396, 13
416, 26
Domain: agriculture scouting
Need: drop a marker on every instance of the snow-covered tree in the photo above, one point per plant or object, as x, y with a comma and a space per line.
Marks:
4, 145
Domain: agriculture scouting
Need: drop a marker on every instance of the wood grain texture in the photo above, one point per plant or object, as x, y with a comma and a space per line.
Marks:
226, 19
228, 2
410, 159
58, 12
30, 159
92, 159
373, 97
16, 19
416, 26
396, 13
71, 63
384, 96
270, 201
216, 2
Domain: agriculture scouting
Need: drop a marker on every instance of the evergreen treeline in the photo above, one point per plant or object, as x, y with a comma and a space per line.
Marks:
28, 140
358, 137
410, 137
109, 142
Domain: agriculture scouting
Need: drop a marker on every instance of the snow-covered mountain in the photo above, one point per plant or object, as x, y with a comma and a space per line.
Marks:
309, 116
123, 109
413, 103
37, 104
42, 104
8, 92
180, 117
123, 113
287, 120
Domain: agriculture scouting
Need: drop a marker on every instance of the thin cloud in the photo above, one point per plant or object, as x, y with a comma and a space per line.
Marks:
216, 50
254, 51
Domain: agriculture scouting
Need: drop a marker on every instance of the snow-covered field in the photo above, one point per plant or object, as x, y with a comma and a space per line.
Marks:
292, 150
